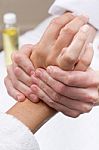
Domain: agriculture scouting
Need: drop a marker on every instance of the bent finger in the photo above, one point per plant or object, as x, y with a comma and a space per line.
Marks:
12, 91
74, 78
69, 56
86, 59
23, 61
61, 108
57, 97
23, 76
67, 33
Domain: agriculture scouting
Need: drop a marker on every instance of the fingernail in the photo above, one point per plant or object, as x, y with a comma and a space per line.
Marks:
20, 98
49, 69
34, 88
85, 28
38, 73
33, 98
32, 72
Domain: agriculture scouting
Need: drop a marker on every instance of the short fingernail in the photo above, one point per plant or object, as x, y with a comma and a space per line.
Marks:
33, 98
34, 88
20, 98
32, 72
85, 28
39, 73
50, 69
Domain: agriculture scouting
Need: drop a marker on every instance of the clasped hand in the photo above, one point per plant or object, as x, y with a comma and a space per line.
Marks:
56, 69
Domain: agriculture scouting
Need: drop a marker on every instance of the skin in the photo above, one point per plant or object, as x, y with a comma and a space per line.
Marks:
43, 53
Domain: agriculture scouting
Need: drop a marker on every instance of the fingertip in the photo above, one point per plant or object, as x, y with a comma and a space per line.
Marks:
21, 98
34, 88
34, 98
32, 72
50, 69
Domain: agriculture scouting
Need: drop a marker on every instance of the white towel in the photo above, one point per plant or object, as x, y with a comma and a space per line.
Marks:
14, 135
86, 7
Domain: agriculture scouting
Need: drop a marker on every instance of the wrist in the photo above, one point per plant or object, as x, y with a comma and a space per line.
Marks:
32, 115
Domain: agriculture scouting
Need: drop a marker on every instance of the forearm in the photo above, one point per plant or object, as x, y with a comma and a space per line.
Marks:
32, 115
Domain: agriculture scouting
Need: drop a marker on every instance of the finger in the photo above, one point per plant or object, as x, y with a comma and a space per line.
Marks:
74, 78
17, 84
26, 49
89, 95
12, 91
23, 76
69, 56
23, 61
86, 59
57, 96
67, 33
55, 26
41, 94
90, 39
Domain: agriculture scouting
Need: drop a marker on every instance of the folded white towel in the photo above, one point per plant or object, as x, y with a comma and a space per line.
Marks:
86, 7
14, 135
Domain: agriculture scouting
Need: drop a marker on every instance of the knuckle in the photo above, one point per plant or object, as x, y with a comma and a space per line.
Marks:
87, 108
92, 97
69, 58
85, 62
17, 57
29, 81
17, 72
60, 88
69, 79
56, 97
56, 21
15, 84
51, 103
75, 114
42, 97
68, 30
81, 36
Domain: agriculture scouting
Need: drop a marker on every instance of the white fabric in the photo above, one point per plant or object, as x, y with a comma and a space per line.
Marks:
14, 135
87, 7
61, 132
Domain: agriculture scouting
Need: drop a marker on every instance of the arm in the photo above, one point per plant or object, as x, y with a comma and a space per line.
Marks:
32, 115
38, 62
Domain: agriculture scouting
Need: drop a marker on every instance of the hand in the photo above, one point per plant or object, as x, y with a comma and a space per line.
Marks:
64, 46
24, 63
70, 92
19, 74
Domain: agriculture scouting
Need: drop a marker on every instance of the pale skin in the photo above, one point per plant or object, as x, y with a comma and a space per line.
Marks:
62, 59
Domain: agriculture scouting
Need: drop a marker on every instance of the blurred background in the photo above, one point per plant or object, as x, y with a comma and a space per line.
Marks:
29, 12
